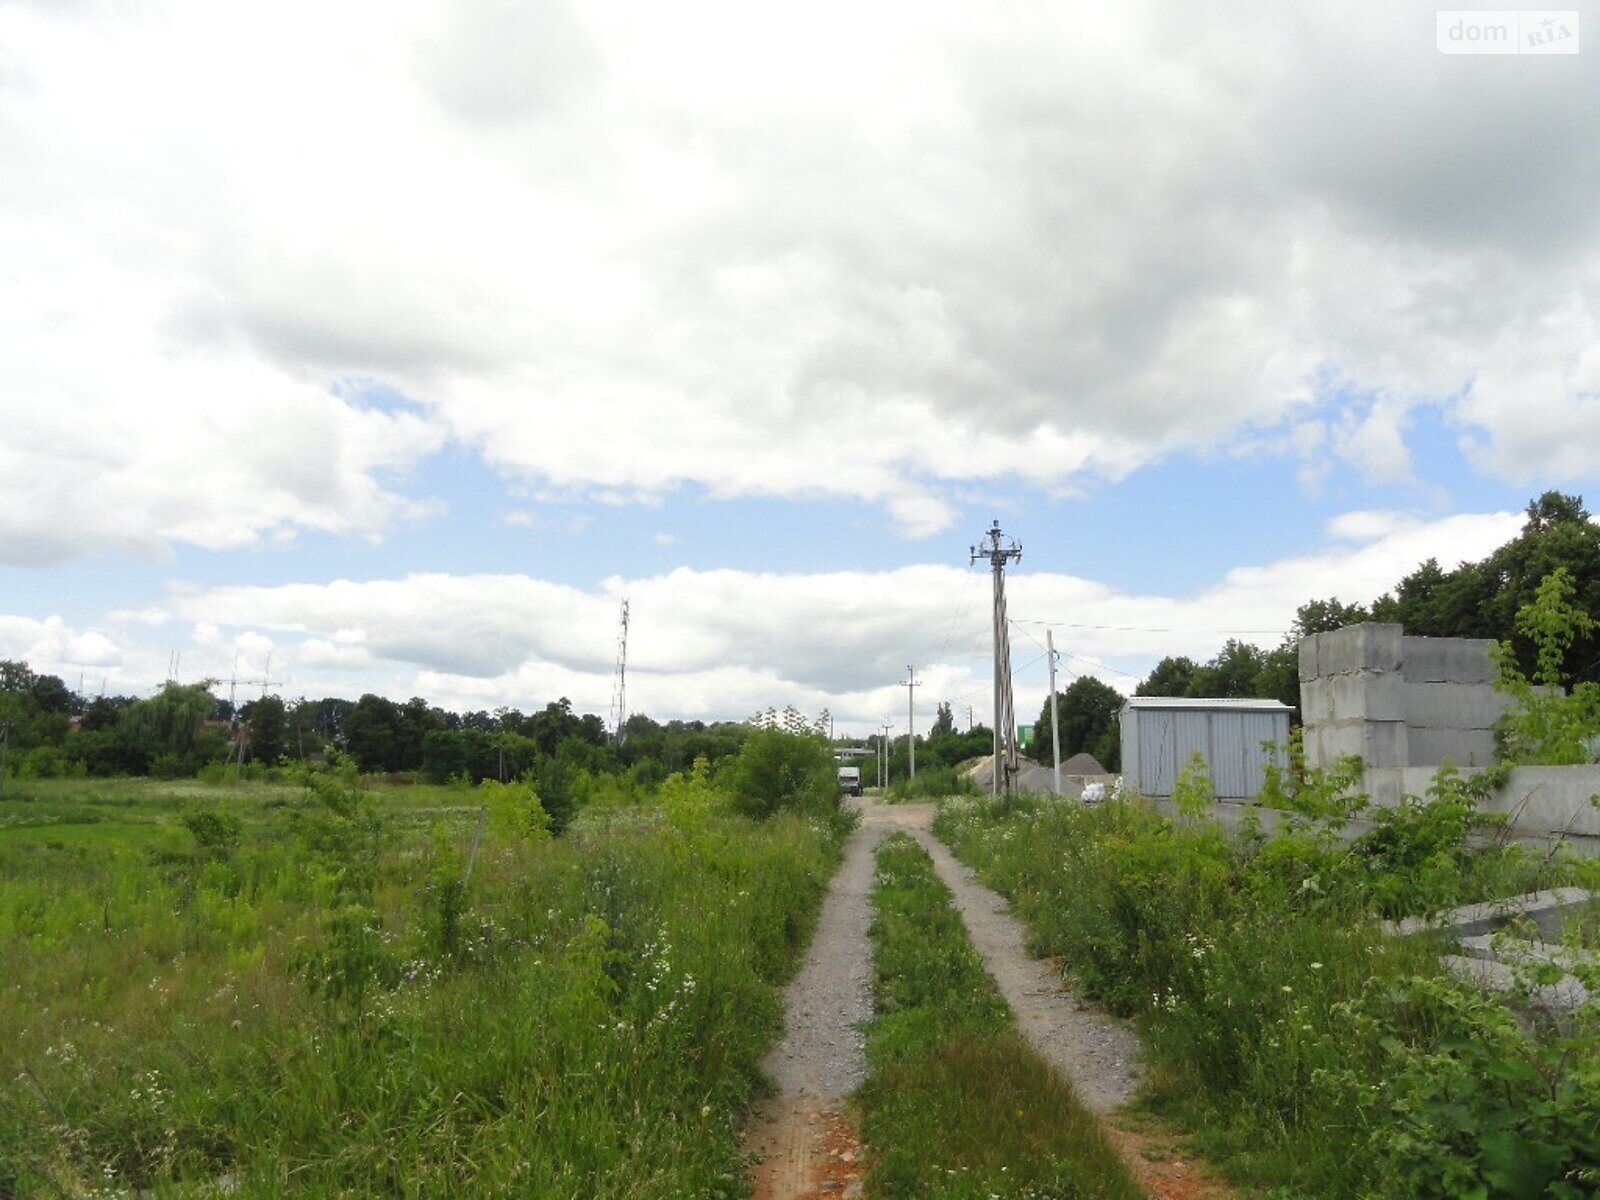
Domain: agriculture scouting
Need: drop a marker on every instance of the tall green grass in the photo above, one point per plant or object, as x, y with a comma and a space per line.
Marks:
1304, 1047
333, 1003
957, 1105
931, 783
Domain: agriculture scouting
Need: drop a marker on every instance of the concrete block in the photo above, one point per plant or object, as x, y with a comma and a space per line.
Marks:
1464, 747
1308, 658
1384, 785
1553, 801
1376, 743
1446, 660
1415, 781
1316, 705
1452, 705
1353, 696
1367, 647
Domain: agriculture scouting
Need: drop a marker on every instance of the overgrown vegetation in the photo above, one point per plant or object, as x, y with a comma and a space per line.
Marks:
930, 784
1308, 1050
334, 989
1549, 724
958, 1106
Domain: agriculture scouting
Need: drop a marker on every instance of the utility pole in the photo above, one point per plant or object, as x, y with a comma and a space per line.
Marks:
1005, 727
911, 685
619, 693
5, 740
883, 745
1055, 719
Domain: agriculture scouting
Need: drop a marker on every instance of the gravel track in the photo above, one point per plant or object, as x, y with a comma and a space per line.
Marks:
798, 1140
1096, 1053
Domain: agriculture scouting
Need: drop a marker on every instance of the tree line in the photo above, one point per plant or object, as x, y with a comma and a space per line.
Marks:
1471, 600
47, 729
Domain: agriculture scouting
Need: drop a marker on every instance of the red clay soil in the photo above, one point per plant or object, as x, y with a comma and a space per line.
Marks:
1161, 1168
805, 1152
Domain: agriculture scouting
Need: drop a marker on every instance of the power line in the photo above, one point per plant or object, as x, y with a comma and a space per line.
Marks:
958, 614
1080, 657
1140, 628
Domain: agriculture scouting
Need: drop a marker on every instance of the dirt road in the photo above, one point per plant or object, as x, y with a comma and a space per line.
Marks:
801, 1141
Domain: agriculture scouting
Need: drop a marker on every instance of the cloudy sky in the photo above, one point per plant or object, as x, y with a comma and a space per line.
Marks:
400, 342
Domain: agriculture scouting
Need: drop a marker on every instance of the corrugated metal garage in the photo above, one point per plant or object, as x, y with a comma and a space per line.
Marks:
1160, 733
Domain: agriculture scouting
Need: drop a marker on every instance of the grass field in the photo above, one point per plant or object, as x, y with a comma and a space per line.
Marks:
396, 991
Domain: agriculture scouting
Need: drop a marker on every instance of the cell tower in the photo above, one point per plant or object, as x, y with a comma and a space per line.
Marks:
1005, 725
619, 692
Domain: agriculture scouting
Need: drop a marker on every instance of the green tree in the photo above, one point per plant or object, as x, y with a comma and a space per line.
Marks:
164, 735
417, 719
1279, 677
1089, 714
1171, 677
171, 720
1232, 673
268, 722
103, 712
1482, 599
371, 731
944, 721
1321, 616
1549, 725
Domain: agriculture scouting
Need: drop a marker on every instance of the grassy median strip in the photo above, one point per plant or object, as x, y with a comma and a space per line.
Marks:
957, 1105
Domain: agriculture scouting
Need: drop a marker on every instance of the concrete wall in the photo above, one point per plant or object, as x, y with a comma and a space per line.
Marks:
1405, 705
1397, 701
1542, 803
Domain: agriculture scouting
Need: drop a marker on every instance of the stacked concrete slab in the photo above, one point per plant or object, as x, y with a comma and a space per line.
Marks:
1449, 702
1407, 705
1397, 701
1352, 696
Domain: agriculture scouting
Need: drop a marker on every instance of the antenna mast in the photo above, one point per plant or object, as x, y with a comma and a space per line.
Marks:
619, 692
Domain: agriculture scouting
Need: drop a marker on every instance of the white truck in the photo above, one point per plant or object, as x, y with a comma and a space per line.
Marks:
850, 781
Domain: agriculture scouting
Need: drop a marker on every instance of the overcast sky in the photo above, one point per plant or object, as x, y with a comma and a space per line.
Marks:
400, 342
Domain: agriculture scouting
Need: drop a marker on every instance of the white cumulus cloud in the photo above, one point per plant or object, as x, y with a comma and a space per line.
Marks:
871, 252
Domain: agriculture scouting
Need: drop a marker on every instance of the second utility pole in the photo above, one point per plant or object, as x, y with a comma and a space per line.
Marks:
1055, 718
911, 685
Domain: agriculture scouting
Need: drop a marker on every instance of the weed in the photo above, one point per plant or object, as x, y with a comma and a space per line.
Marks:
328, 1014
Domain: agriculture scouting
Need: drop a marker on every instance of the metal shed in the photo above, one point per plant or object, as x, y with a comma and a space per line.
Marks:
1160, 733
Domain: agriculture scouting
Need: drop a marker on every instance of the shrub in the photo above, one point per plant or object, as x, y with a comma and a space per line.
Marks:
1548, 724
778, 771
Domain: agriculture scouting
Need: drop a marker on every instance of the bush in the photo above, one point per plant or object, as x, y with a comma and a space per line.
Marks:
777, 771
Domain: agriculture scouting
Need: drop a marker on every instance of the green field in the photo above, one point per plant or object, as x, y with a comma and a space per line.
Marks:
390, 990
